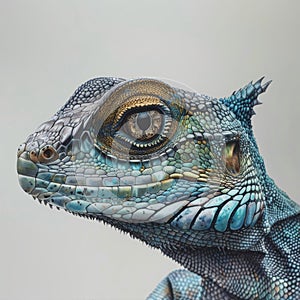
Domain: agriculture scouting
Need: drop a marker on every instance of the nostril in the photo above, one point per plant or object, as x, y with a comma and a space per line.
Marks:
47, 154
21, 149
33, 156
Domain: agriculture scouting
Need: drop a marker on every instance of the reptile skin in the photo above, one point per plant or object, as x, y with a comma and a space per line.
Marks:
178, 170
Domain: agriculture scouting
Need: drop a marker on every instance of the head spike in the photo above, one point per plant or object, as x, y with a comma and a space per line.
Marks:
256, 102
265, 86
241, 103
257, 84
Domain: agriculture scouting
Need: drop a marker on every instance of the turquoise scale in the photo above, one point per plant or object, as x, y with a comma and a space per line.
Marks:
77, 206
216, 201
238, 218
60, 200
250, 213
224, 215
205, 218
185, 218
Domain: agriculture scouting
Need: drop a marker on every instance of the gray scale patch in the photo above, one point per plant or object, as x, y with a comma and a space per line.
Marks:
127, 210
38, 191
81, 180
134, 173
100, 172
159, 176
116, 216
107, 192
148, 171
112, 210
127, 180
143, 179
156, 206
94, 181
167, 212
65, 134
111, 181
142, 214
89, 171
57, 126
129, 203
169, 169
141, 205
97, 207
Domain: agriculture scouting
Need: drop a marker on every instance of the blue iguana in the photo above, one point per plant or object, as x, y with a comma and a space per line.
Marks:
178, 170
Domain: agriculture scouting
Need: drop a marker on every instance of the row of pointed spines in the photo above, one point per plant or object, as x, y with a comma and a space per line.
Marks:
242, 102
45, 202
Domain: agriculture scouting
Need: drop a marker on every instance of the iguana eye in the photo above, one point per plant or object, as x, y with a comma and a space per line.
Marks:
232, 157
143, 127
138, 118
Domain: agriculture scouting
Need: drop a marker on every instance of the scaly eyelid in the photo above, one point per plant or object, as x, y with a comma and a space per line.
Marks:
138, 103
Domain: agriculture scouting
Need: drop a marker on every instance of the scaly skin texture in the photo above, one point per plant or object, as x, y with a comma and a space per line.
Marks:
178, 170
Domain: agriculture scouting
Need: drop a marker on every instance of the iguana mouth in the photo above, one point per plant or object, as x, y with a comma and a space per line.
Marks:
204, 206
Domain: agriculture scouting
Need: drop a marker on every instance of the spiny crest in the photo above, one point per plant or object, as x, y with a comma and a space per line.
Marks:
241, 102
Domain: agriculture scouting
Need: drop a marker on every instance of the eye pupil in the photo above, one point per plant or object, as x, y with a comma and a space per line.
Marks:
143, 121
144, 125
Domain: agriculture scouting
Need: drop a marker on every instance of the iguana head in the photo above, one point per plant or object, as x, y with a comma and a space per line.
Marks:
140, 152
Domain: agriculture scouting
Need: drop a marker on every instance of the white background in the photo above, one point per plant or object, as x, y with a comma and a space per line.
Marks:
48, 48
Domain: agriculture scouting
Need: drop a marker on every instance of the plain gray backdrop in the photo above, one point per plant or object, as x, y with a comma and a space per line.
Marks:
48, 48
